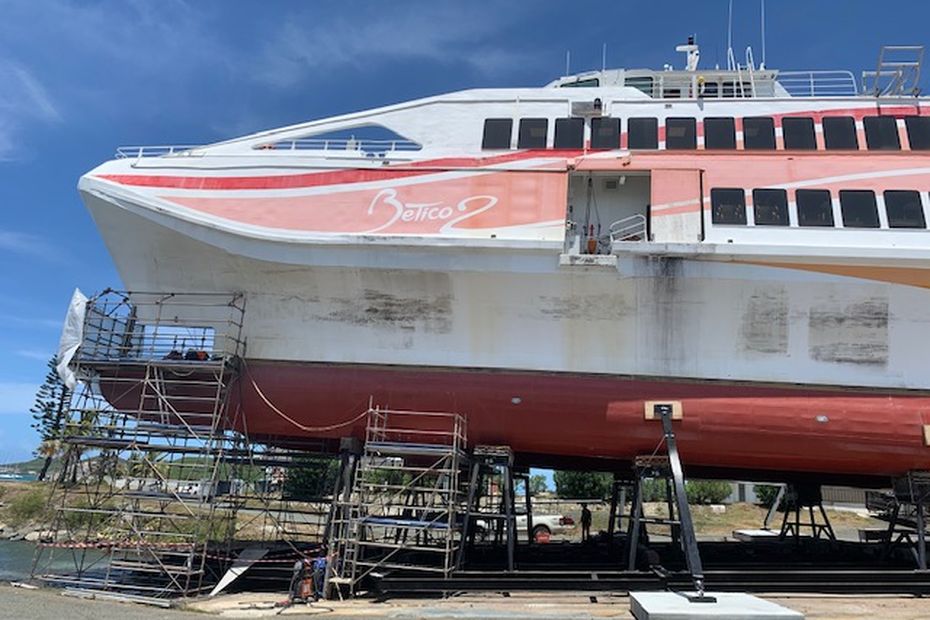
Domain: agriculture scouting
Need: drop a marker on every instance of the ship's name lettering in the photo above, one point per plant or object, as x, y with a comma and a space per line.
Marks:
428, 211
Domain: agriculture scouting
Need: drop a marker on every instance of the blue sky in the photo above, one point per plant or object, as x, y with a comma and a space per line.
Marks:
78, 78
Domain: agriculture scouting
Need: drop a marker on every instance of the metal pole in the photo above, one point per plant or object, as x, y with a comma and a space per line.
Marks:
688, 538
636, 513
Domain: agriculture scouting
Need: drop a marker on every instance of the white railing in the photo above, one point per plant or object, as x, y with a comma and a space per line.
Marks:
818, 83
632, 228
341, 144
135, 152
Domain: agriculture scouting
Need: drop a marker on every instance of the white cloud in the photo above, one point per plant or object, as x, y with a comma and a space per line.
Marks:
447, 33
28, 321
35, 354
23, 100
16, 398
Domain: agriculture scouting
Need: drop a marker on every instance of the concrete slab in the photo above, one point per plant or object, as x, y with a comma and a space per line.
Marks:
729, 606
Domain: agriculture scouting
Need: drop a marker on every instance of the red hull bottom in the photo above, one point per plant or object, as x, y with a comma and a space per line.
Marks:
561, 419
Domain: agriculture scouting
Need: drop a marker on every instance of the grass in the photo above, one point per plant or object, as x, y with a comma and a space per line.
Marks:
23, 504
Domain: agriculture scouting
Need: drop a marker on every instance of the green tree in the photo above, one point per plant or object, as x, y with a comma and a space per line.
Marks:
582, 484
538, 484
48, 413
311, 478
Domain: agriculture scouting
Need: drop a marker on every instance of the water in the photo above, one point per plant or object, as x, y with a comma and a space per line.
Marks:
15, 559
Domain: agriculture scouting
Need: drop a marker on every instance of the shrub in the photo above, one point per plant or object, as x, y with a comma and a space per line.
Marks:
767, 494
26, 507
707, 491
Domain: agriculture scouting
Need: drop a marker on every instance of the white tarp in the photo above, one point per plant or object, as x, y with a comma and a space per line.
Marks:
71, 335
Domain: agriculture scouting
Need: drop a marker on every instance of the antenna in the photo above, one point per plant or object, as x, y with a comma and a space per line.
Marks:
604, 58
568, 62
762, 66
730, 63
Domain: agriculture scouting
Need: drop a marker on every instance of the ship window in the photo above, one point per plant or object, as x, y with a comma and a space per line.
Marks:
497, 133
904, 209
881, 133
680, 133
588, 83
643, 84
918, 132
643, 133
858, 208
736, 89
533, 133
719, 133
798, 133
814, 207
770, 207
605, 133
569, 133
759, 133
711, 89
839, 133
728, 206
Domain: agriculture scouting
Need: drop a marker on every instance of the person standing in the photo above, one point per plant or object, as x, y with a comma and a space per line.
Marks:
585, 523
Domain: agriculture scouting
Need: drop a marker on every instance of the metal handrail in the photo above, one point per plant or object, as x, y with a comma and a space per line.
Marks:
341, 144
818, 83
632, 228
135, 152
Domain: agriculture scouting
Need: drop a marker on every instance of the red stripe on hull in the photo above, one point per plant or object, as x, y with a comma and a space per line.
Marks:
727, 426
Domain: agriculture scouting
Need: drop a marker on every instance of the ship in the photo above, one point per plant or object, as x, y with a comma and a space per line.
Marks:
746, 245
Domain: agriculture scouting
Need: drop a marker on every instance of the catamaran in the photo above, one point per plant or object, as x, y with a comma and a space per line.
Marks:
747, 245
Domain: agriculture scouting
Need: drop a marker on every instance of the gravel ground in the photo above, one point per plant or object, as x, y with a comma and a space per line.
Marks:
50, 604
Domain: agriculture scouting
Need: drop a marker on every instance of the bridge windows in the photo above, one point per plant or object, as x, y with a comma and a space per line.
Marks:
719, 133
798, 133
918, 132
532, 134
759, 133
680, 133
839, 133
643, 133
815, 208
859, 208
569, 133
770, 207
881, 133
728, 206
497, 132
605, 132
904, 209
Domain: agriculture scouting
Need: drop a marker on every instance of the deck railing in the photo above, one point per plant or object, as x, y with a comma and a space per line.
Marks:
818, 83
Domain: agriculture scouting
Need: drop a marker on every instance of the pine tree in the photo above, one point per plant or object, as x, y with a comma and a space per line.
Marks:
49, 411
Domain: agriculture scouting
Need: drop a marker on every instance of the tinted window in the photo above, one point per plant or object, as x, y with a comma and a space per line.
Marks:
881, 133
680, 133
569, 133
858, 208
728, 206
644, 84
798, 133
904, 209
497, 133
532, 133
759, 133
588, 83
814, 207
643, 133
918, 132
770, 207
839, 132
719, 133
711, 89
605, 133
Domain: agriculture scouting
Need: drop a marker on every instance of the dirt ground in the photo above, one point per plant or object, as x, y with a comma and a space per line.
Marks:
51, 604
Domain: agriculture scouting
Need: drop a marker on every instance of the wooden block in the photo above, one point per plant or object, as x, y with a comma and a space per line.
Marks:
677, 410
927, 434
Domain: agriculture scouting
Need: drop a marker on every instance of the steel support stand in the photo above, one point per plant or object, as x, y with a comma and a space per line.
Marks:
688, 537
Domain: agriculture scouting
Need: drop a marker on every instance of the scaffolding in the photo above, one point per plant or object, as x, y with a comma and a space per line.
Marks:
160, 488
401, 504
